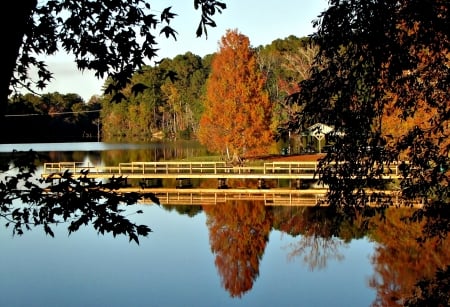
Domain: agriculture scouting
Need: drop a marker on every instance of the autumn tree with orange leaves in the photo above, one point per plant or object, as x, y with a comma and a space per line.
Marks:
237, 115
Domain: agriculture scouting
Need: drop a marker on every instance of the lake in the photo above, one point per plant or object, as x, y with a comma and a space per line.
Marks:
236, 253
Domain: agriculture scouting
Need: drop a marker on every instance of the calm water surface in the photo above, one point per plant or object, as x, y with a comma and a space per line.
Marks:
174, 266
231, 254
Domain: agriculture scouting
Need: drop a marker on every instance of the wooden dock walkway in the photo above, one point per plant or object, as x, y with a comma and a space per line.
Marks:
188, 195
191, 170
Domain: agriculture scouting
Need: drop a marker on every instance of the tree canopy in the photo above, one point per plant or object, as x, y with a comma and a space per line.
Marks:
169, 106
381, 79
170, 102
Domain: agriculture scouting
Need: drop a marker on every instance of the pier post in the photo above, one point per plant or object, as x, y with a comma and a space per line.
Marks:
222, 183
183, 183
262, 184
298, 184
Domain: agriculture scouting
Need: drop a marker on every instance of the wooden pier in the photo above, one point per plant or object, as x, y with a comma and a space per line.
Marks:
184, 172
191, 170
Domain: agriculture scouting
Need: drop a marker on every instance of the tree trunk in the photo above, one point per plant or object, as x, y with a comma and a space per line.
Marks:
19, 13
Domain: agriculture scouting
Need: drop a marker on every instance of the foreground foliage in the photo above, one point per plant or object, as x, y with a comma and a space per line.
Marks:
381, 80
28, 202
378, 60
111, 38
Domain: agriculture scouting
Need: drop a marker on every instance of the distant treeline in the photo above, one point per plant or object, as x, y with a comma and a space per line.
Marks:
52, 117
169, 106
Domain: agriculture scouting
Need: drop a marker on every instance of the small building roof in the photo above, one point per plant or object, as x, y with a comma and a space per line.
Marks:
319, 129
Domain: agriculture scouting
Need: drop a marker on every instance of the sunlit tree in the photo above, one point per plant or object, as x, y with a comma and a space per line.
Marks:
237, 115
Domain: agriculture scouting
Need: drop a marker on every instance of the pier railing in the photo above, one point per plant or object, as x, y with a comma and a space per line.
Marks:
171, 169
168, 169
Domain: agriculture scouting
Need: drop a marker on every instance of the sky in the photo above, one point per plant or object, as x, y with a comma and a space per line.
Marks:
261, 21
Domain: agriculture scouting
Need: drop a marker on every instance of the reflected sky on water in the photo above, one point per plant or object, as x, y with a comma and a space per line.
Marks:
76, 146
100, 153
174, 266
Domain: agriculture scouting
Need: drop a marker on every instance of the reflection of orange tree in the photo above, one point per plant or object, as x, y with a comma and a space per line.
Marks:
400, 261
319, 228
238, 232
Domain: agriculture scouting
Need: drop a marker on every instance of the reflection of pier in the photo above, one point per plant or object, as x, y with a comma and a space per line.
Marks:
275, 197
272, 197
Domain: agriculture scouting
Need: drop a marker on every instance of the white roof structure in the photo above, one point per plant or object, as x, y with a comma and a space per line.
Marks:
319, 130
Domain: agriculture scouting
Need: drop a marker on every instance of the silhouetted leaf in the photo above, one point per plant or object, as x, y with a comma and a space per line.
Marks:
153, 198
117, 98
48, 230
172, 75
167, 15
138, 88
168, 31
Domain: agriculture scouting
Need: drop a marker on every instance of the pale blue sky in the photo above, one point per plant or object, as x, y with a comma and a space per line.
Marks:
261, 21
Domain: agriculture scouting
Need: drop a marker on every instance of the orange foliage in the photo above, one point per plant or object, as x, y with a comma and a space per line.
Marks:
419, 97
288, 87
400, 261
238, 232
237, 112
396, 124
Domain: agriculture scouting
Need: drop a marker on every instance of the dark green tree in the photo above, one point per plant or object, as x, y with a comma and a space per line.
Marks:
53, 116
182, 94
169, 104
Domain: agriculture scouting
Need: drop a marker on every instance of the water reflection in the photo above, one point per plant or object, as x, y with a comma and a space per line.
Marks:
400, 260
241, 241
239, 233
319, 235
109, 154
